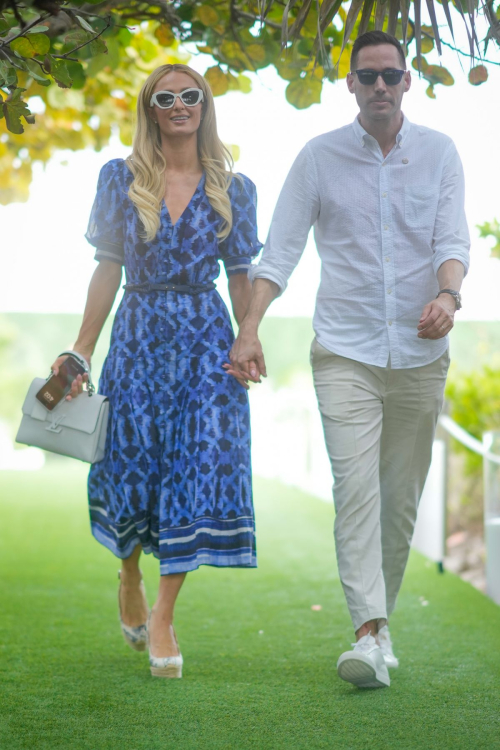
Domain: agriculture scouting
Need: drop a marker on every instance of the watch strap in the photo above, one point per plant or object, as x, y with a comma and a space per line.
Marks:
456, 296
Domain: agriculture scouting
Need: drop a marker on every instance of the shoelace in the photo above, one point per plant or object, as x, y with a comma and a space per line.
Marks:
364, 644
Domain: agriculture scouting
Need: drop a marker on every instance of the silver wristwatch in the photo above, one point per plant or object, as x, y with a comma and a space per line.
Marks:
456, 296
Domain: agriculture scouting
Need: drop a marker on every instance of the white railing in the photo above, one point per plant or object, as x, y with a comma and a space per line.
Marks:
491, 495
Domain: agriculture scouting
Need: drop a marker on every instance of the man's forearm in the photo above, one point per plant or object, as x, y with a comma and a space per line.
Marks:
450, 275
264, 291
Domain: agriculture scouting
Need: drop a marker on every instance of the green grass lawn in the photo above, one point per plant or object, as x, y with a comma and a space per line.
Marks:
259, 663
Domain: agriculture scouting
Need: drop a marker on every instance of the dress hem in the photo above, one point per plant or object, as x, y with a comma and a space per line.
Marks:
167, 567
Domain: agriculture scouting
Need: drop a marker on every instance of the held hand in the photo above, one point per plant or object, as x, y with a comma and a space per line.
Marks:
77, 384
247, 358
230, 370
437, 318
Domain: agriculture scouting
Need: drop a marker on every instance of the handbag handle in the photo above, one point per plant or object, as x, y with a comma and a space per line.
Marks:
85, 365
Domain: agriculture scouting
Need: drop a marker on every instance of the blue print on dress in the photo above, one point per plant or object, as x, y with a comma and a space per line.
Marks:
176, 477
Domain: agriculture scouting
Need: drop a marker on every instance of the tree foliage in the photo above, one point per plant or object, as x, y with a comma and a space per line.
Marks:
474, 401
79, 64
491, 229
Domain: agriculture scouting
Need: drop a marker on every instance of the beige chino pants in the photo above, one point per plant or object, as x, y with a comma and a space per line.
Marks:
379, 427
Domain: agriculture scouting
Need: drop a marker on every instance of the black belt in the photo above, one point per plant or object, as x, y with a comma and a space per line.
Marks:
167, 287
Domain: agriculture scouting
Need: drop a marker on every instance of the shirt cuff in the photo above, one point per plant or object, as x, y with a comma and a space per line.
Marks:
441, 258
256, 272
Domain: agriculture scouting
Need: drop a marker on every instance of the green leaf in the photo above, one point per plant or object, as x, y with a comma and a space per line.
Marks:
77, 75
289, 71
85, 25
60, 73
98, 47
217, 80
165, 35
303, 92
4, 26
40, 29
95, 65
427, 45
245, 84
13, 110
437, 74
207, 15
124, 37
491, 229
31, 45
8, 75
35, 72
90, 49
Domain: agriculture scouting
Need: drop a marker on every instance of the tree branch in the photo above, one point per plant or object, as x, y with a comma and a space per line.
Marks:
66, 56
24, 31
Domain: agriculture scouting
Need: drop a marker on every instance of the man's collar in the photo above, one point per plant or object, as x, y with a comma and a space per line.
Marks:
362, 136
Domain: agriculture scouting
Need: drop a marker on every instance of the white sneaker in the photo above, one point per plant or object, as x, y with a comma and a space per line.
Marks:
384, 638
364, 666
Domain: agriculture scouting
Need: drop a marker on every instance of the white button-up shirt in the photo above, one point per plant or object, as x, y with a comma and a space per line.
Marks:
382, 228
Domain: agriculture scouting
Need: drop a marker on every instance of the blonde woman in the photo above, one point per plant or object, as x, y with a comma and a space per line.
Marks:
176, 478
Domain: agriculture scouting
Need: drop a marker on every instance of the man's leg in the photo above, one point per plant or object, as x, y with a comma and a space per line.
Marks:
350, 401
412, 404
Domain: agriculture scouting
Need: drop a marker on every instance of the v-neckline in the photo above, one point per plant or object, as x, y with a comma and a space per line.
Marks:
164, 202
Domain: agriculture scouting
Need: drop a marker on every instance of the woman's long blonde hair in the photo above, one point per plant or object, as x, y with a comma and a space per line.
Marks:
147, 162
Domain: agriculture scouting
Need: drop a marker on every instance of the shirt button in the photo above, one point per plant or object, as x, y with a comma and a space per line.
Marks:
405, 161
389, 291
387, 259
389, 322
386, 227
384, 195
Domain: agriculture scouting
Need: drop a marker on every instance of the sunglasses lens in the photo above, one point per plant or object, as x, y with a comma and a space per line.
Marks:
392, 77
367, 77
190, 97
164, 99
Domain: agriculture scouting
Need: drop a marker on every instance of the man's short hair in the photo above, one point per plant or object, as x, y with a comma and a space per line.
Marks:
373, 39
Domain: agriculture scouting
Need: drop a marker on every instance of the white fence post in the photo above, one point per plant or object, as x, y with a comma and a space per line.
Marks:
430, 529
491, 442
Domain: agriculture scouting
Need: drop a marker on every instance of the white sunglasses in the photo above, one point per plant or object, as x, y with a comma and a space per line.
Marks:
166, 99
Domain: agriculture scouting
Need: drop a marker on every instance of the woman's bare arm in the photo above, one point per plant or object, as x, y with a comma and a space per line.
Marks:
103, 287
240, 291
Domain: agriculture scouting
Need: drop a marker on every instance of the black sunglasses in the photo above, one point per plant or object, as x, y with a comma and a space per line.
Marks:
390, 76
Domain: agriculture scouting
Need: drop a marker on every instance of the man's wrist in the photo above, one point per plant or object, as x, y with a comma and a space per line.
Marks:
457, 298
249, 326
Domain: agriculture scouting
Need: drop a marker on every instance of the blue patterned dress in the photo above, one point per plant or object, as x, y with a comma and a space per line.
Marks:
176, 476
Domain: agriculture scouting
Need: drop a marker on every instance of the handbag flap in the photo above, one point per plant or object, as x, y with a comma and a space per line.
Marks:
81, 413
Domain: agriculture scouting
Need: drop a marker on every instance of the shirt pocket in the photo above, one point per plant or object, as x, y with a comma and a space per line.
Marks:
420, 205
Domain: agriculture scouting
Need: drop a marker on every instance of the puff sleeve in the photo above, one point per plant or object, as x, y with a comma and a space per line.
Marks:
241, 245
105, 229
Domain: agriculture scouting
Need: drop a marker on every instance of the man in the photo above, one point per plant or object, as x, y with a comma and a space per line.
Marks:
386, 201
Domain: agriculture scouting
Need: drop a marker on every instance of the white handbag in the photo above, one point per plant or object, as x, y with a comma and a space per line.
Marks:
75, 428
